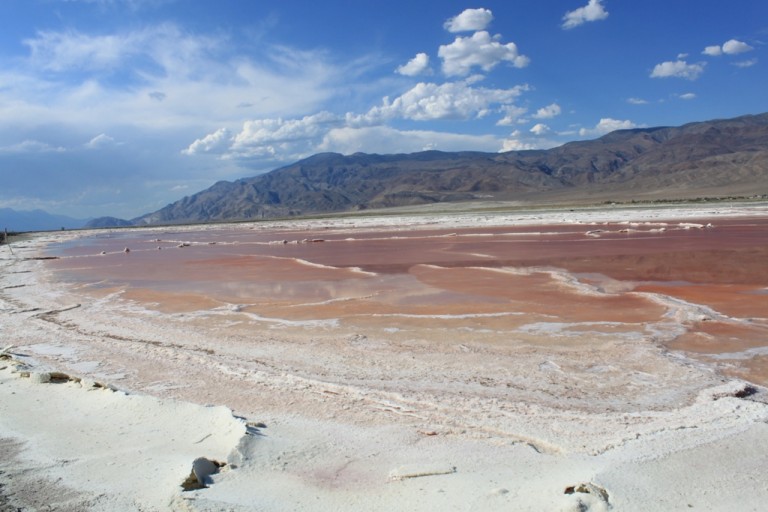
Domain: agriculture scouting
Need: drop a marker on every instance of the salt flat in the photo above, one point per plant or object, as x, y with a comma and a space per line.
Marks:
541, 361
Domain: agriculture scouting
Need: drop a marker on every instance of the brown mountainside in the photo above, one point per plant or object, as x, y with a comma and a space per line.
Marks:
713, 158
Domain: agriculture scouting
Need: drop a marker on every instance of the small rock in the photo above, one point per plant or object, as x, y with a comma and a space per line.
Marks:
40, 377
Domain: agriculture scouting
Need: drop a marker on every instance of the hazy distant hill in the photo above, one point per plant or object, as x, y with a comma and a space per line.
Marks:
107, 222
36, 220
715, 158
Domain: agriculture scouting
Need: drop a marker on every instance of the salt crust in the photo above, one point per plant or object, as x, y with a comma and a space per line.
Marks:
112, 450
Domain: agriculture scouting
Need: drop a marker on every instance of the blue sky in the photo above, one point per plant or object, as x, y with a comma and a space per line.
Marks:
118, 107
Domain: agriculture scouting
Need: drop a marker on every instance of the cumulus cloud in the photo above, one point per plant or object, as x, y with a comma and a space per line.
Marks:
539, 129
216, 142
469, 21
713, 51
512, 115
418, 65
520, 141
637, 101
272, 139
291, 139
678, 69
687, 96
730, 47
547, 112
593, 11
480, 50
451, 100
280, 138
733, 47
606, 125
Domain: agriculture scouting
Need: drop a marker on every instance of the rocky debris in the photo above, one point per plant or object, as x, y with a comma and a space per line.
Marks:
587, 497
200, 476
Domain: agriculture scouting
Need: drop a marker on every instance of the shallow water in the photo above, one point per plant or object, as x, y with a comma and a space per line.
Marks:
696, 287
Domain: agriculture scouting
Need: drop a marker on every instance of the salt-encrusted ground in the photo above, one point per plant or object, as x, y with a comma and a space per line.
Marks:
363, 416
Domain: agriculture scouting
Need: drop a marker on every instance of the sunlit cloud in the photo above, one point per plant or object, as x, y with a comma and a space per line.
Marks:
677, 69
419, 65
479, 50
593, 11
469, 21
513, 114
607, 125
452, 100
548, 112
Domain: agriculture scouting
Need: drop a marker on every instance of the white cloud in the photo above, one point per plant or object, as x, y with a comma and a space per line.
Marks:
606, 125
539, 129
268, 139
480, 50
679, 69
730, 47
713, 51
519, 141
687, 96
547, 112
100, 141
593, 11
745, 63
416, 66
512, 115
469, 21
282, 139
451, 100
57, 51
637, 101
216, 142
165, 45
733, 47
163, 71
514, 144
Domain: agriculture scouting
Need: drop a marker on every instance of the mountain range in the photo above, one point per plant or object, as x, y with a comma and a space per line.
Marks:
37, 220
727, 157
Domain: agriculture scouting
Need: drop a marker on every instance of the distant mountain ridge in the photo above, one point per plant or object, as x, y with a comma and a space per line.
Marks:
712, 158
36, 220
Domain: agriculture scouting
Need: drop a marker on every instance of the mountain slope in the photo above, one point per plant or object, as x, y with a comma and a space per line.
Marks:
721, 157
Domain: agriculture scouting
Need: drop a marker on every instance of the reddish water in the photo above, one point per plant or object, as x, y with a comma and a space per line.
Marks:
537, 284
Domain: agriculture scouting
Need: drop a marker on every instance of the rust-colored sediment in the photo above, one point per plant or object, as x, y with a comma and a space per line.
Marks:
594, 280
